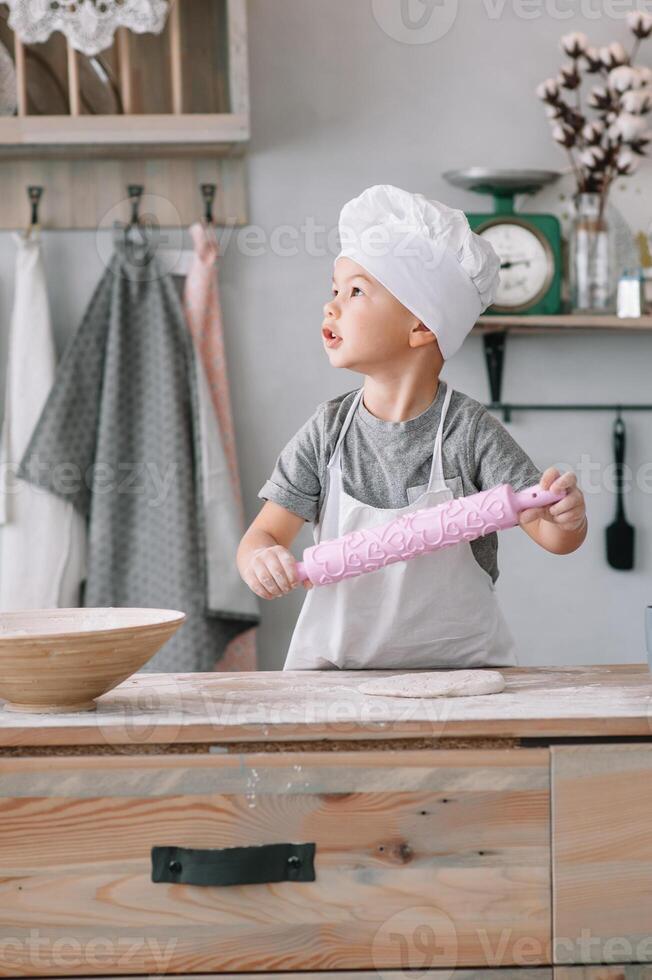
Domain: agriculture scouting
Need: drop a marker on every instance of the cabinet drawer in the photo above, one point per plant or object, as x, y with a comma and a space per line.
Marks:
422, 858
602, 853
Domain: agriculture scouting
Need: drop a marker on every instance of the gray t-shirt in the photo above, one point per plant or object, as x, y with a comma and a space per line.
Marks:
387, 464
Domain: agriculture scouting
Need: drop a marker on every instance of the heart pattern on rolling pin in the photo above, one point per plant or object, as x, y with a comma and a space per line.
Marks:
461, 519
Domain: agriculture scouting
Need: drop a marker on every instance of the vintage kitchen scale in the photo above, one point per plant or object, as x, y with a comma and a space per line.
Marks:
528, 245
529, 248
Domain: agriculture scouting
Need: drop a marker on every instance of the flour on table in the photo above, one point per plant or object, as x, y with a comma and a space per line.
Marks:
436, 684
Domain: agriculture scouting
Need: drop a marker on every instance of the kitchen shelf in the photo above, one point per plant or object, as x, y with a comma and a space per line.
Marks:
90, 136
562, 323
495, 329
168, 111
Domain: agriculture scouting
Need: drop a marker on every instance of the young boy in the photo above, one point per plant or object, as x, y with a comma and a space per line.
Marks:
409, 283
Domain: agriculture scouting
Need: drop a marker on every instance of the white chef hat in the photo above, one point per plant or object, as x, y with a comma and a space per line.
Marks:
426, 255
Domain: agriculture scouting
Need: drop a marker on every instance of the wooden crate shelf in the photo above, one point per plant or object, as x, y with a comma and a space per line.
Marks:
171, 112
187, 85
22, 136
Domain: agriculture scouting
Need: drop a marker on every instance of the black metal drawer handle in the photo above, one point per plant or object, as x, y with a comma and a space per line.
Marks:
234, 865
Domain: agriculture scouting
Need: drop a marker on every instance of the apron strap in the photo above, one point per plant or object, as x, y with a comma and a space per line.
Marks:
437, 466
335, 458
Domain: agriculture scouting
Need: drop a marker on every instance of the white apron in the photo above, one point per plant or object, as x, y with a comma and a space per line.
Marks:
438, 610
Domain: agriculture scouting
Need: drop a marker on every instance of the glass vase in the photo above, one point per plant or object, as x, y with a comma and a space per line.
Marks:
592, 258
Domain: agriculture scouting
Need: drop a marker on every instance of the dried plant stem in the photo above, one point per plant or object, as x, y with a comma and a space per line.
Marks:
578, 173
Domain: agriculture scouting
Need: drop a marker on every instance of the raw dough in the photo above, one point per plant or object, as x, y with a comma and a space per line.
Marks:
436, 684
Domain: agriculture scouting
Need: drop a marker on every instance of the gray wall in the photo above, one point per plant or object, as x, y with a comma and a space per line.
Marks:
339, 103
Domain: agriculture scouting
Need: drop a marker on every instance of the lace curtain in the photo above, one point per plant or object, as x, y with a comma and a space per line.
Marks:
89, 25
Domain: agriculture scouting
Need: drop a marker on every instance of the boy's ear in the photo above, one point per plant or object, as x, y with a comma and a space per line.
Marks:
420, 334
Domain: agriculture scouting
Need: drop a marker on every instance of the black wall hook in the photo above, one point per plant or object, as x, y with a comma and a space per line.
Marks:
135, 192
34, 192
208, 194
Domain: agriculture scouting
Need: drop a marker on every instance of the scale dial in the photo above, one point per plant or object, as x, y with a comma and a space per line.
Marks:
527, 263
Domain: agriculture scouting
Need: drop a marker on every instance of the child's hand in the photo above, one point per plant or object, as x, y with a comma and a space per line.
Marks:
569, 513
272, 572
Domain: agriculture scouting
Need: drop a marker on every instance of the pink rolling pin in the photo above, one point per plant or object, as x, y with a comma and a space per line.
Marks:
420, 531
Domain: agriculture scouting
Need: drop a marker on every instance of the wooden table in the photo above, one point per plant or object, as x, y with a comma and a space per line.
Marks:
278, 822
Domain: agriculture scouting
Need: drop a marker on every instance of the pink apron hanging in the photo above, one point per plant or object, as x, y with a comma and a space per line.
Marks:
203, 313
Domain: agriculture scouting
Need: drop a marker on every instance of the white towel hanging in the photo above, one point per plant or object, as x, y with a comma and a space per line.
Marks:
43, 538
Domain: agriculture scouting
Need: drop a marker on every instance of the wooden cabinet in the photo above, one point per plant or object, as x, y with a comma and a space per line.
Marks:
423, 859
602, 852
484, 838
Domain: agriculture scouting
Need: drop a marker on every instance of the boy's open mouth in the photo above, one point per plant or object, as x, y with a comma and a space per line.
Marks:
332, 339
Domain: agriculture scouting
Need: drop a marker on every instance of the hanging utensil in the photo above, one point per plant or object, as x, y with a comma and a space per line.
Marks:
620, 534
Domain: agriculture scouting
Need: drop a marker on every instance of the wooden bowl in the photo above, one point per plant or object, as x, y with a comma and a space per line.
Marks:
61, 659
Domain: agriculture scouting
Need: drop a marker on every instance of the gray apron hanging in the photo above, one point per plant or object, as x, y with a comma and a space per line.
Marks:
119, 438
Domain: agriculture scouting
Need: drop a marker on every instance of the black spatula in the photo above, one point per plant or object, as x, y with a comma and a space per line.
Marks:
620, 534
